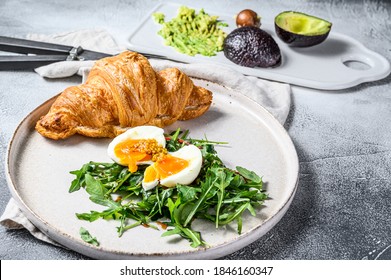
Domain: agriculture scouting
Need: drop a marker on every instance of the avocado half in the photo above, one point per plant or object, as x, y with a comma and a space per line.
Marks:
301, 30
250, 46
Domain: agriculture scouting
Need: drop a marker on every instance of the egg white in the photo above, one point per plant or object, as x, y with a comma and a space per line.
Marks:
151, 184
193, 156
138, 132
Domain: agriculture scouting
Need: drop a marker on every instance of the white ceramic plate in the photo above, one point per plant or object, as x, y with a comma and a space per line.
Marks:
39, 179
325, 66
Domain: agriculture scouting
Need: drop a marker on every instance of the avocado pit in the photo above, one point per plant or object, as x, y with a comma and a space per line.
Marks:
248, 17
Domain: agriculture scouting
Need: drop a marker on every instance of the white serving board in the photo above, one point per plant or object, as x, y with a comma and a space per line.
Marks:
321, 67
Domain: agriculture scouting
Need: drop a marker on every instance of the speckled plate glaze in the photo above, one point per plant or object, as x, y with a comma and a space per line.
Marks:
38, 176
339, 62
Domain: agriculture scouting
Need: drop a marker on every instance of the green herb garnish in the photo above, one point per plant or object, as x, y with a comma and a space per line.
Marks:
219, 194
87, 237
191, 33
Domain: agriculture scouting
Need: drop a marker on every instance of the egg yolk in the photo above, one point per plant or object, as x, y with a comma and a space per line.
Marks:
166, 166
131, 151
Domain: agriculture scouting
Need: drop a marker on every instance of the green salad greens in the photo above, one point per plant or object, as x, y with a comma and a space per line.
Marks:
219, 194
191, 33
87, 237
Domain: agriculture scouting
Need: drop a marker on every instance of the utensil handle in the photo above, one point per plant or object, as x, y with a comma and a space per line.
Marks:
28, 62
17, 45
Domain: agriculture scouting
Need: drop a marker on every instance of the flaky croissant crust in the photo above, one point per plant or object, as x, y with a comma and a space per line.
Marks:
120, 92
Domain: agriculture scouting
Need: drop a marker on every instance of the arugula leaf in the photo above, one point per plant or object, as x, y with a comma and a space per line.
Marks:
250, 175
77, 182
225, 177
187, 193
187, 233
206, 187
122, 228
182, 212
92, 216
94, 187
171, 206
86, 236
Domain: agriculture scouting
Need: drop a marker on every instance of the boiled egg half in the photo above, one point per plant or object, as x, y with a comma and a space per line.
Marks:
146, 145
137, 146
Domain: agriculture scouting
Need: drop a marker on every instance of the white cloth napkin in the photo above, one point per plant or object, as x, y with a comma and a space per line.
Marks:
275, 97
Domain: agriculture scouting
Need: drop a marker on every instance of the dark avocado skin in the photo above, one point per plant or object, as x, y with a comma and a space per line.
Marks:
252, 47
298, 40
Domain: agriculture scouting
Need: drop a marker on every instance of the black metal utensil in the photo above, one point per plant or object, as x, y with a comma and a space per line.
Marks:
34, 54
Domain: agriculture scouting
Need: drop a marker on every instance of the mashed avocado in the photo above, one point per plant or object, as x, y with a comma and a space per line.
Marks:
191, 33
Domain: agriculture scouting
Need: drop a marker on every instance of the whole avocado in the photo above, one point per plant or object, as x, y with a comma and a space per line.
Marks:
252, 47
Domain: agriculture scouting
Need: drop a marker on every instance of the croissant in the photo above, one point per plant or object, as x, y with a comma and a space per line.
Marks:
120, 92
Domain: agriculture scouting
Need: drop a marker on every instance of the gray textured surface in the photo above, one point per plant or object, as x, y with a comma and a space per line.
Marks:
343, 138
